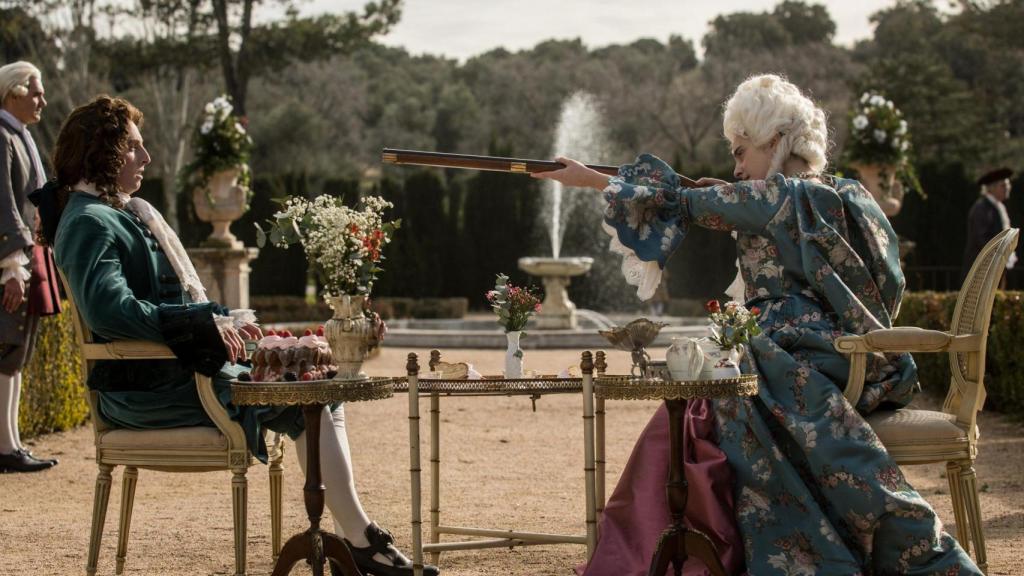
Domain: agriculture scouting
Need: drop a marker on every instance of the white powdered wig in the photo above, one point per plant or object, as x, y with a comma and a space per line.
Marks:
14, 79
768, 105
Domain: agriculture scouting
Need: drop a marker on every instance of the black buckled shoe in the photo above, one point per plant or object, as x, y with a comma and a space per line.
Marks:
23, 461
382, 542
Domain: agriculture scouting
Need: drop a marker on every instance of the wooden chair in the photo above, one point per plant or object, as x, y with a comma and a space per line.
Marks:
951, 435
186, 449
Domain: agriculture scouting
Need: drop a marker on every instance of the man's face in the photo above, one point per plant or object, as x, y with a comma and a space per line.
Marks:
135, 160
1000, 190
28, 108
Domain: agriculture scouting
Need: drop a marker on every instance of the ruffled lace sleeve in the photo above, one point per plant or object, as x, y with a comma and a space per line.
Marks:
649, 213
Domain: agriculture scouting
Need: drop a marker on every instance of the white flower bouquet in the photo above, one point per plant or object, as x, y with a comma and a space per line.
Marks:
343, 244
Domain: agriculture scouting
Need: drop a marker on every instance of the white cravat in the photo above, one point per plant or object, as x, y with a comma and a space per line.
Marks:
165, 235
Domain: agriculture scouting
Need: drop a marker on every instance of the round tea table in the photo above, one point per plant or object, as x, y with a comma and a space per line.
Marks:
314, 545
677, 541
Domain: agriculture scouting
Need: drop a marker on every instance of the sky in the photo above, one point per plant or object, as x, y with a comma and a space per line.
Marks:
463, 28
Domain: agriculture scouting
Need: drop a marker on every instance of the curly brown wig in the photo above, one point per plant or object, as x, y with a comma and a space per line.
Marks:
91, 146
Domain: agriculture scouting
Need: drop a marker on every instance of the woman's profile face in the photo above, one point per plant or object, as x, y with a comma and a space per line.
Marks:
752, 161
135, 160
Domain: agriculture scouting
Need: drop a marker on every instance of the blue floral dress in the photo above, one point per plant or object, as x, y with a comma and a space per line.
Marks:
816, 492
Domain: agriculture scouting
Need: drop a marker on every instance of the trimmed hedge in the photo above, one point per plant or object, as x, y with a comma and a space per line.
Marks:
52, 393
1004, 362
284, 309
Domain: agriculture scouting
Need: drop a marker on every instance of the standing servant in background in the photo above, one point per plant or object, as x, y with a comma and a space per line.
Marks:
988, 217
27, 278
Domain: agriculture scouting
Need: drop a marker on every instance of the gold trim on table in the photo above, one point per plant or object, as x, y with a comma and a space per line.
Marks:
311, 392
494, 386
638, 388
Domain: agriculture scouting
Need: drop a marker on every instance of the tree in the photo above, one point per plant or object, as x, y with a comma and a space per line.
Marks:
269, 46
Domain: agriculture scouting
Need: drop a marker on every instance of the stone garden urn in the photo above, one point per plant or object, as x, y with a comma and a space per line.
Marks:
221, 202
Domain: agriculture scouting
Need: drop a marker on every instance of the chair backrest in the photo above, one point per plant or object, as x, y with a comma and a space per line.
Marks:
972, 316
83, 337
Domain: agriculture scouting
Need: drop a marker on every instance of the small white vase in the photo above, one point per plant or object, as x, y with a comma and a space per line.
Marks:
513, 355
719, 363
685, 358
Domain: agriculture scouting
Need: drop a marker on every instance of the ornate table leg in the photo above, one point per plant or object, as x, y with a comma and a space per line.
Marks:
313, 545
678, 541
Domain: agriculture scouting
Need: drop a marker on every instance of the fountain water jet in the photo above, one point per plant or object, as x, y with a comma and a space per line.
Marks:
580, 134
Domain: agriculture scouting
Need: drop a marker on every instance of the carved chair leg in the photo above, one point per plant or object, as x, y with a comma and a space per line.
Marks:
959, 506
969, 490
276, 470
99, 515
131, 477
239, 505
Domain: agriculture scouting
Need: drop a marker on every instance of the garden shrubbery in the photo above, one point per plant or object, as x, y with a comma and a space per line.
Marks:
52, 393
1004, 365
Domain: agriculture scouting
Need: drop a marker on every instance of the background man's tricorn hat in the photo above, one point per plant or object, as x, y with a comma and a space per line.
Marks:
995, 176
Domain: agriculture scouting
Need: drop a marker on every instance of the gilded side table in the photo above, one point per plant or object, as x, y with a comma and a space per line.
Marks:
435, 388
314, 545
678, 541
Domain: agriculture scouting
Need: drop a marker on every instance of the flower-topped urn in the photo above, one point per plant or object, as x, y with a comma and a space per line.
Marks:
219, 173
878, 149
344, 245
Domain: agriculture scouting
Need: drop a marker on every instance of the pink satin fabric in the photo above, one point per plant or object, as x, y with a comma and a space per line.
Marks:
637, 512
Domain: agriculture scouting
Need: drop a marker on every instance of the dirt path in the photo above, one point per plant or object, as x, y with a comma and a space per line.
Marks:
505, 466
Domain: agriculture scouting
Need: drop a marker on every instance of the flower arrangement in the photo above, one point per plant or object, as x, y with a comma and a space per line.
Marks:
343, 244
879, 135
220, 142
732, 323
513, 304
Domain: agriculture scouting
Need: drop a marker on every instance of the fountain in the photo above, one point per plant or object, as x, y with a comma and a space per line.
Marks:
580, 134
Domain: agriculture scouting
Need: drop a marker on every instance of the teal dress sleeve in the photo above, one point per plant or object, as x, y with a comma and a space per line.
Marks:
649, 212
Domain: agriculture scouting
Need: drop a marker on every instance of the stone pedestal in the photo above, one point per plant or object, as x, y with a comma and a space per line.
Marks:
225, 273
557, 312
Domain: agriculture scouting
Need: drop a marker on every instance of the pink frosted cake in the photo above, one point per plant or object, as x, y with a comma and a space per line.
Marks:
280, 356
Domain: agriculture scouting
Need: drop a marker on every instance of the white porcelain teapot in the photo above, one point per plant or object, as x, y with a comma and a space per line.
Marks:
685, 358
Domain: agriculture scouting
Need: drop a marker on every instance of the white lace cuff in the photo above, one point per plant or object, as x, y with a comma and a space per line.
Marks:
15, 265
236, 318
646, 276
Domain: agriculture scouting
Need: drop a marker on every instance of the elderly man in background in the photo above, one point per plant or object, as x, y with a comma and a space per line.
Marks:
988, 217
27, 278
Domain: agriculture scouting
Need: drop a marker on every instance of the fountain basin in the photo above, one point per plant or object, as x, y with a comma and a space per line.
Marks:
574, 266
557, 312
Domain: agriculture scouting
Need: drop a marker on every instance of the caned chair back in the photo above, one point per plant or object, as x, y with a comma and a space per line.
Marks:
972, 315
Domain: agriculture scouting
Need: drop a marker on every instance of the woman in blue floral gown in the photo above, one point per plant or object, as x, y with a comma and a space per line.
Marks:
814, 490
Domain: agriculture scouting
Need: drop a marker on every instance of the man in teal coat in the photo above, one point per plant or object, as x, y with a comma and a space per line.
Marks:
132, 281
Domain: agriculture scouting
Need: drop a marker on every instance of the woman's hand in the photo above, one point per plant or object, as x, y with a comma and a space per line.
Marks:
575, 175
705, 182
233, 344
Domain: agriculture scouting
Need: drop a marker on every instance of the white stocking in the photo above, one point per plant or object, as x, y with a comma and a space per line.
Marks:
15, 405
350, 521
8, 413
